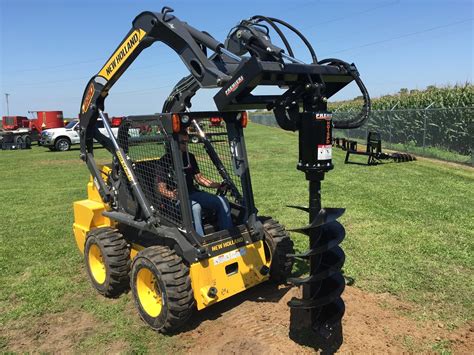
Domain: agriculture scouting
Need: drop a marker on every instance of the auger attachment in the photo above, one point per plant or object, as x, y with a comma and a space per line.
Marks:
321, 307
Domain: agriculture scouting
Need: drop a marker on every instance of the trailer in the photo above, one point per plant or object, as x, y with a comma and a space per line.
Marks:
15, 133
19, 132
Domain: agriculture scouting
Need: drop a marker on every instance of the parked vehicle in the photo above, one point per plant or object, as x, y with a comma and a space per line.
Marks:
18, 132
61, 139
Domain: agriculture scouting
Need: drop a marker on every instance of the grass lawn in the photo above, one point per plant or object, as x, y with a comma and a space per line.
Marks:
410, 230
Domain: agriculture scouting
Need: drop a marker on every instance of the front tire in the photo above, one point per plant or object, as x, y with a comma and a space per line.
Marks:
62, 144
161, 288
280, 244
107, 258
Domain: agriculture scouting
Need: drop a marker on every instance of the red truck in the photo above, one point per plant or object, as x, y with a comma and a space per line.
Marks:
18, 132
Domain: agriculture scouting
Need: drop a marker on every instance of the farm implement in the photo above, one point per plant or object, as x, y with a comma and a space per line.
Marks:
138, 229
373, 150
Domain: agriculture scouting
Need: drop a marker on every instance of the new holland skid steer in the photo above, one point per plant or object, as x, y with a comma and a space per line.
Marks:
134, 236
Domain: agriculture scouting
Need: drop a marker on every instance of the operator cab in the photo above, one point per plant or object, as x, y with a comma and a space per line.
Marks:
152, 145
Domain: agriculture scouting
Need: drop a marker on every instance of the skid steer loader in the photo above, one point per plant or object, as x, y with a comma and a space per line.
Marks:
133, 236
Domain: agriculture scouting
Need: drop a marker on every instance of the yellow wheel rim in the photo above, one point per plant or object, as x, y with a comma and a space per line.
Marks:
149, 292
96, 264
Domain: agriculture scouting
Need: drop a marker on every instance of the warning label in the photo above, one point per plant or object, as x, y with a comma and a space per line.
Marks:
229, 256
324, 152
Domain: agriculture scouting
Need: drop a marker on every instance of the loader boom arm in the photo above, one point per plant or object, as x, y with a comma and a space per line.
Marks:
149, 27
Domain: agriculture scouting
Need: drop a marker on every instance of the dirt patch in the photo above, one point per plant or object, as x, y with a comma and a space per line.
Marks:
259, 323
52, 333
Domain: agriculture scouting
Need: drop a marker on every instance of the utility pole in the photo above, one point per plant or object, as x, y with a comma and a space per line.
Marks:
8, 109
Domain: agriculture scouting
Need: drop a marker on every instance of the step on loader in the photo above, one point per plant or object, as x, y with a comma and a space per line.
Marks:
138, 227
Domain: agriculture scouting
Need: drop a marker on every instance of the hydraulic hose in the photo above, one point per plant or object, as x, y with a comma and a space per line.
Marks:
363, 116
299, 34
277, 30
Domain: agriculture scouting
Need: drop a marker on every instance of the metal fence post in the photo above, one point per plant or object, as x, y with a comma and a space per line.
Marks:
424, 130
390, 123
389, 116
424, 125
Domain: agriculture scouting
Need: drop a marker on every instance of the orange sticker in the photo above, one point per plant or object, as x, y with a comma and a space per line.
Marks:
87, 101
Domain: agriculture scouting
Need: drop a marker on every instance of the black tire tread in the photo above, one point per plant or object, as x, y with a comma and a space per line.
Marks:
175, 276
116, 252
282, 245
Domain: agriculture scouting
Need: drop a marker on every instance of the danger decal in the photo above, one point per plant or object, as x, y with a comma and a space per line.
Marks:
234, 254
324, 151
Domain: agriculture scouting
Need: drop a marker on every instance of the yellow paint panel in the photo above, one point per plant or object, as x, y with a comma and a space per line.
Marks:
243, 271
92, 192
134, 250
128, 46
88, 215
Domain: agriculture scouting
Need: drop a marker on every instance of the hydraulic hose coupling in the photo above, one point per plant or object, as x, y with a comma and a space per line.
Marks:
320, 308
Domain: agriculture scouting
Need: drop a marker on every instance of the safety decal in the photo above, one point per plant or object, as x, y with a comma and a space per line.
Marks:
324, 151
87, 100
234, 254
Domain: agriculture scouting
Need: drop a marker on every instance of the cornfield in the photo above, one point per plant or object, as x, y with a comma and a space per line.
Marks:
440, 118
433, 97
450, 129
402, 118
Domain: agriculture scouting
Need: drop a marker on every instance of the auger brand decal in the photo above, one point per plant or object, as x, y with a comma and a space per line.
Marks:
234, 85
327, 117
87, 100
323, 116
123, 52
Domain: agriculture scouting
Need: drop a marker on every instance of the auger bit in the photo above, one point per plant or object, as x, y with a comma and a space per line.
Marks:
321, 307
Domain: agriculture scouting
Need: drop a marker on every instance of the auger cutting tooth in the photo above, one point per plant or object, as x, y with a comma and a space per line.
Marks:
330, 315
325, 216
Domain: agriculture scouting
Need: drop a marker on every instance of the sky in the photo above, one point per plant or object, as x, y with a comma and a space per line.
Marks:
51, 48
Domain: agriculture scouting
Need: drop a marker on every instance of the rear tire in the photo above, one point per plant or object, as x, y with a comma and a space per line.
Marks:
18, 140
280, 244
107, 258
161, 288
27, 140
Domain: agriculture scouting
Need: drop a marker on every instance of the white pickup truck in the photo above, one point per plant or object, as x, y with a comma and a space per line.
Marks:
61, 139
